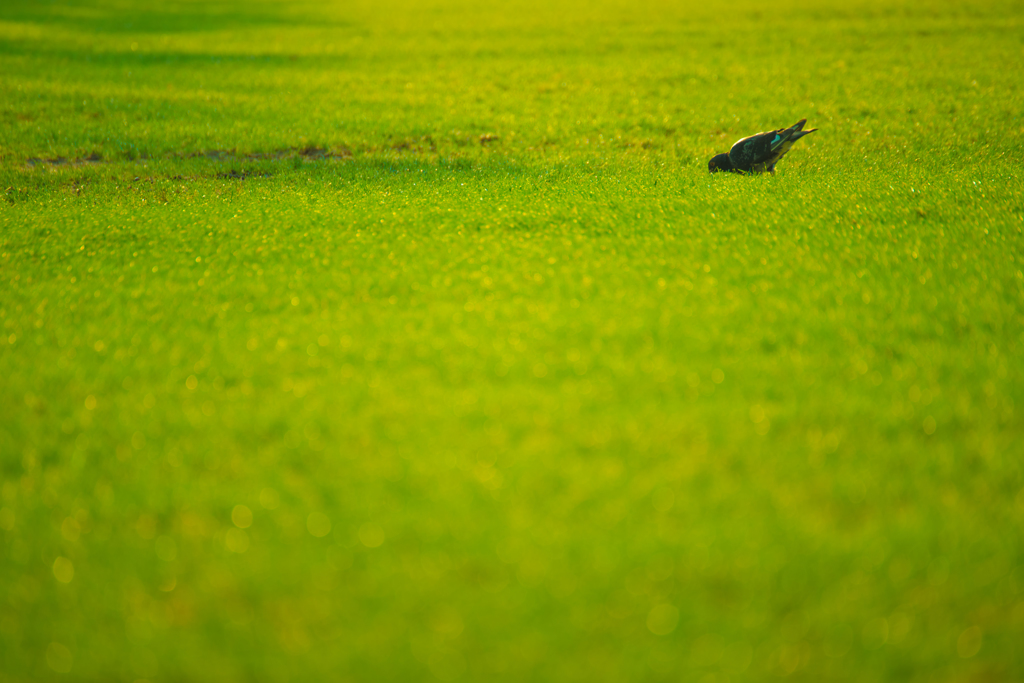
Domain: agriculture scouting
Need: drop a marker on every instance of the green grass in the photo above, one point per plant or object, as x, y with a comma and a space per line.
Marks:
413, 341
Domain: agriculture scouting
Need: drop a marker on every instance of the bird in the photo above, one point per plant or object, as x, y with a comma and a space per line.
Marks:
760, 152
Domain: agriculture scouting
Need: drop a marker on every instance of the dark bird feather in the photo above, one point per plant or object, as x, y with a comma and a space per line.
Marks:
760, 152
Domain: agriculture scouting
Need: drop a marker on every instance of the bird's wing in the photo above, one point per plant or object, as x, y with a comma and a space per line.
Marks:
766, 147
755, 149
780, 138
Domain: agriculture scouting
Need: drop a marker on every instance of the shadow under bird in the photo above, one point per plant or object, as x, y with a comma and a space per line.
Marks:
760, 152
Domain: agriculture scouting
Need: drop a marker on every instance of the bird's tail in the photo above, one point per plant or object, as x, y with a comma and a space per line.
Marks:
796, 131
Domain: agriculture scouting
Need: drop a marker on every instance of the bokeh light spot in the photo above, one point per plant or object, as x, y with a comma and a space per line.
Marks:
236, 540
969, 642
70, 529
371, 535
447, 622
928, 425
899, 626
318, 524
707, 650
875, 633
662, 619
63, 570
446, 663
59, 658
737, 657
166, 548
241, 516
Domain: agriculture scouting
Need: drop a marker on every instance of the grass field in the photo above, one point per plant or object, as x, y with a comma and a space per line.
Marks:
410, 341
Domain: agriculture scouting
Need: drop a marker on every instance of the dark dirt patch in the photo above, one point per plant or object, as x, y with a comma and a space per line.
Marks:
235, 174
93, 158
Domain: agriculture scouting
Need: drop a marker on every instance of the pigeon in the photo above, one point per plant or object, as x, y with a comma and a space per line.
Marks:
759, 153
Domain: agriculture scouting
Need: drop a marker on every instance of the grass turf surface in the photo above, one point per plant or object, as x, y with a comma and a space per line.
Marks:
398, 342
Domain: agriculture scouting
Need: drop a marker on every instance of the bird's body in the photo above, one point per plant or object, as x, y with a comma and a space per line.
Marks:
759, 153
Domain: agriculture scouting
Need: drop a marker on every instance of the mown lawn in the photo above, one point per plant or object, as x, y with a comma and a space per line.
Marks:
412, 341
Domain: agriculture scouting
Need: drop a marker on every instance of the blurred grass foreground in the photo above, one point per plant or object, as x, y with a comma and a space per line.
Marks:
410, 341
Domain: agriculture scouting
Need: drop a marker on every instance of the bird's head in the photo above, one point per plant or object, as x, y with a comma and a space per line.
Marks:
719, 162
